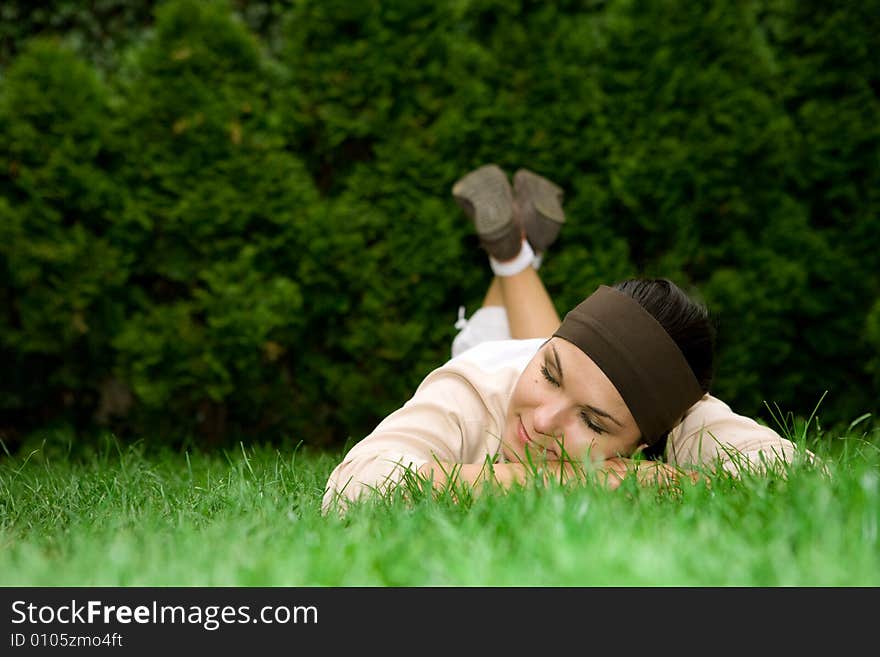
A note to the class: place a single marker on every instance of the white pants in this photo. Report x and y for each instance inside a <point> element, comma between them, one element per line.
<point>487,323</point>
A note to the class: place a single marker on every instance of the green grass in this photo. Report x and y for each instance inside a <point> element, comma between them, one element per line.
<point>126,516</point>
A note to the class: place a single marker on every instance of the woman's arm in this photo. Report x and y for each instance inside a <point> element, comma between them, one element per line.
<point>712,434</point>
<point>443,417</point>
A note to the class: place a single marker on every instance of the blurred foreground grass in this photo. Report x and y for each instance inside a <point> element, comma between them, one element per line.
<point>127,516</point>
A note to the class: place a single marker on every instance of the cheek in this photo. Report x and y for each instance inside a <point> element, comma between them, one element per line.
<point>526,394</point>
<point>583,444</point>
<point>579,444</point>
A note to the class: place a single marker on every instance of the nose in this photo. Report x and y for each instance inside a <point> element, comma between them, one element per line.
<point>547,418</point>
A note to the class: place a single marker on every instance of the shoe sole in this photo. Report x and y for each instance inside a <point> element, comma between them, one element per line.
<point>545,217</point>
<point>486,197</point>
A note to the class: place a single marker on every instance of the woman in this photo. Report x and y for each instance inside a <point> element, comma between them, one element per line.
<point>626,373</point>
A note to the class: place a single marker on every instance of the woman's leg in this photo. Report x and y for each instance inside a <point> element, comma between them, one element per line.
<point>493,294</point>
<point>516,299</point>
<point>530,311</point>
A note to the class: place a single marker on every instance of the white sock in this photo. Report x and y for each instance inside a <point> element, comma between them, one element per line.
<point>536,263</point>
<point>524,259</point>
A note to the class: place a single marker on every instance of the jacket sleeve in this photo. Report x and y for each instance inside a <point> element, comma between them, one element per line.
<point>430,426</point>
<point>712,434</point>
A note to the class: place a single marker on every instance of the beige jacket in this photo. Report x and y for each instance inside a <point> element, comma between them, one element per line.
<point>457,414</point>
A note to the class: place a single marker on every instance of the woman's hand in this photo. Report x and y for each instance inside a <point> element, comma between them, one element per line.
<point>649,473</point>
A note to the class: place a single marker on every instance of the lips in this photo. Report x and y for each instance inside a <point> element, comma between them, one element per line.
<point>523,434</point>
<point>525,439</point>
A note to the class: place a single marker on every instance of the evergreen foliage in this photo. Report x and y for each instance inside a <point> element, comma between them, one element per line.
<point>234,220</point>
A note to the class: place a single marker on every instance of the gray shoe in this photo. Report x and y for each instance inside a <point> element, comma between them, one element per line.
<point>539,205</point>
<point>486,197</point>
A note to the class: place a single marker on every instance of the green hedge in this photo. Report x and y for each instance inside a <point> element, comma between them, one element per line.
<point>239,225</point>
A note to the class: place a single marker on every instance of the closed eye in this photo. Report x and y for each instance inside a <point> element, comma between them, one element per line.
<point>584,415</point>
<point>549,376</point>
<point>590,423</point>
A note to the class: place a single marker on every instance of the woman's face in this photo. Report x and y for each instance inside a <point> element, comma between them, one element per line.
<point>562,400</point>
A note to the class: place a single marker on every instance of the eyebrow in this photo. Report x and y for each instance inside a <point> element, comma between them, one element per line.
<point>593,409</point>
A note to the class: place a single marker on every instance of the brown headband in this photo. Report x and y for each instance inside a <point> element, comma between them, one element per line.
<point>636,353</point>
